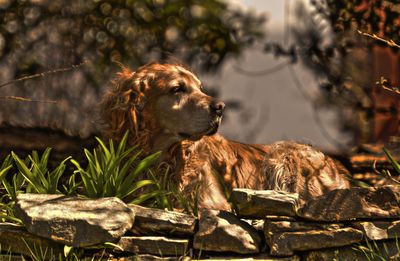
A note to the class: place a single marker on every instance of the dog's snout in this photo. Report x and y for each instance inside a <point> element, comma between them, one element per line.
<point>217,107</point>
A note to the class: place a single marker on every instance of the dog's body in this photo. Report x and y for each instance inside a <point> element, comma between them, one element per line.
<point>165,108</point>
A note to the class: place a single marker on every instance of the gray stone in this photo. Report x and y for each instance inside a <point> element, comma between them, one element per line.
<point>151,221</point>
<point>352,204</point>
<point>262,203</point>
<point>222,231</point>
<point>378,230</point>
<point>17,240</point>
<point>152,245</point>
<point>74,221</point>
<point>284,238</point>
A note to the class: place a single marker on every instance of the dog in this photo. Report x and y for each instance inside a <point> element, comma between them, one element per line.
<point>165,108</point>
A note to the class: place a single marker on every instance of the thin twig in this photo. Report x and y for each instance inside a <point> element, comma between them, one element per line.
<point>389,42</point>
<point>392,89</point>
<point>23,99</point>
<point>43,74</point>
<point>385,84</point>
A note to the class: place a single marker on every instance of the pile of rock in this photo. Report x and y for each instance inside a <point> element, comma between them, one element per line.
<point>268,225</point>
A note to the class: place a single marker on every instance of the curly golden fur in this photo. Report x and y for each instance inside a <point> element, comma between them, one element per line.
<point>164,108</point>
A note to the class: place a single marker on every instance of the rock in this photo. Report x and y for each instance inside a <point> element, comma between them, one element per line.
<point>258,224</point>
<point>289,226</point>
<point>222,231</point>
<point>12,239</point>
<point>161,246</point>
<point>344,253</point>
<point>285,237</point>
<point>151,221</point>
<point>353,203</point>
<point>152,258</point>
<point>74,221</point>
<point>262,203</point>
<point>382,251</point>
<point>11,257</point>
<point>262,256</point>
<point>280,218</point>
<point>378,230</point>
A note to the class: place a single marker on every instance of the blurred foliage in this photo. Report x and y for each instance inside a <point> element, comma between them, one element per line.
<point>325,40</point>
<point>126,31</point>
<point>43,35</point>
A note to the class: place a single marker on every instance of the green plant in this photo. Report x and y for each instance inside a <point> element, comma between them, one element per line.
<point>115,172</point>
<point>386,173</point>
<point>7,255</point>
<point>7,200</point>
<point>169,196</point>
<point>163,184</point>
<point>374,251</point>
<point>392,161</point>
<point>39,178</point>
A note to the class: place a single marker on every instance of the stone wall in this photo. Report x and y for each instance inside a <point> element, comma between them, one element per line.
<point>267,225</point>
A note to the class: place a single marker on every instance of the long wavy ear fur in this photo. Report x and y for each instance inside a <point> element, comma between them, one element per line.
<point>118,107</point>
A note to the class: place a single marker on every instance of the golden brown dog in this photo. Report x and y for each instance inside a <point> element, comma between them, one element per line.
<point>165,108</point>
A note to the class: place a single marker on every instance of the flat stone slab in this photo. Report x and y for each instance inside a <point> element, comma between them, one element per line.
<point>261,203</point>
<point>263,256</point>
<point>6,257</point>
<point>352,204</point>
<point>387,250</point>
<point>151,221</point>
<point>294,226</point>
<point>284,239</point>
<point>221,231</point>
<point>154,245</point>
<point>146,257</point>
<point>378,230</point>
<point>74,221</point>
<point>343,253</point>
<point>12,239</point>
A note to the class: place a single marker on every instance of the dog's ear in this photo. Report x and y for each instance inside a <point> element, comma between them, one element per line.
<point>121,105</point>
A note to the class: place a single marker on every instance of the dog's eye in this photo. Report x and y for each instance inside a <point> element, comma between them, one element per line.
<point>178,89</point>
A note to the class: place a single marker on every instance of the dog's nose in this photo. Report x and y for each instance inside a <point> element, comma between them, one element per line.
<point>217,107</point>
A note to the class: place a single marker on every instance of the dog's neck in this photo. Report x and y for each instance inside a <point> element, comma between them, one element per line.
<point>164,142</point>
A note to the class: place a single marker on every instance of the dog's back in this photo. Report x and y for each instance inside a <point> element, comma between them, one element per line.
<point>217,165</point>
<point>302,169</point>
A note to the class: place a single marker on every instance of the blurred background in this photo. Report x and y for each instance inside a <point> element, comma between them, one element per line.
<point>287,69</point>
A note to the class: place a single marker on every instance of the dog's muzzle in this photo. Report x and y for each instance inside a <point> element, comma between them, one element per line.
<point>217,108</point>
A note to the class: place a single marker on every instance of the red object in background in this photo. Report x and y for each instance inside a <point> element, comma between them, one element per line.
<point>386,104</point>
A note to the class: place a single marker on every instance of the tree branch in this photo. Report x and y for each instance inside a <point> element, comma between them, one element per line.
<point>389,42</point>
<point>23,99</point>
<point>43,74</point>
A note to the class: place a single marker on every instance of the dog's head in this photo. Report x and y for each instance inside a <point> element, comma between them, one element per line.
<point>165,100</point>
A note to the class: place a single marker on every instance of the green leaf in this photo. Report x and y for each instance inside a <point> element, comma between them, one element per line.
<point>142,166</point>
<point>40,177</point>
<point>27,174</point>
<point>67,250</point>
<point>122,143</point>
<point>86,179</point>
<point>4,171</point>
<point>104,149</point>
<point>136,186</point>
<point>142,198</point>
<point>392,161</point>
